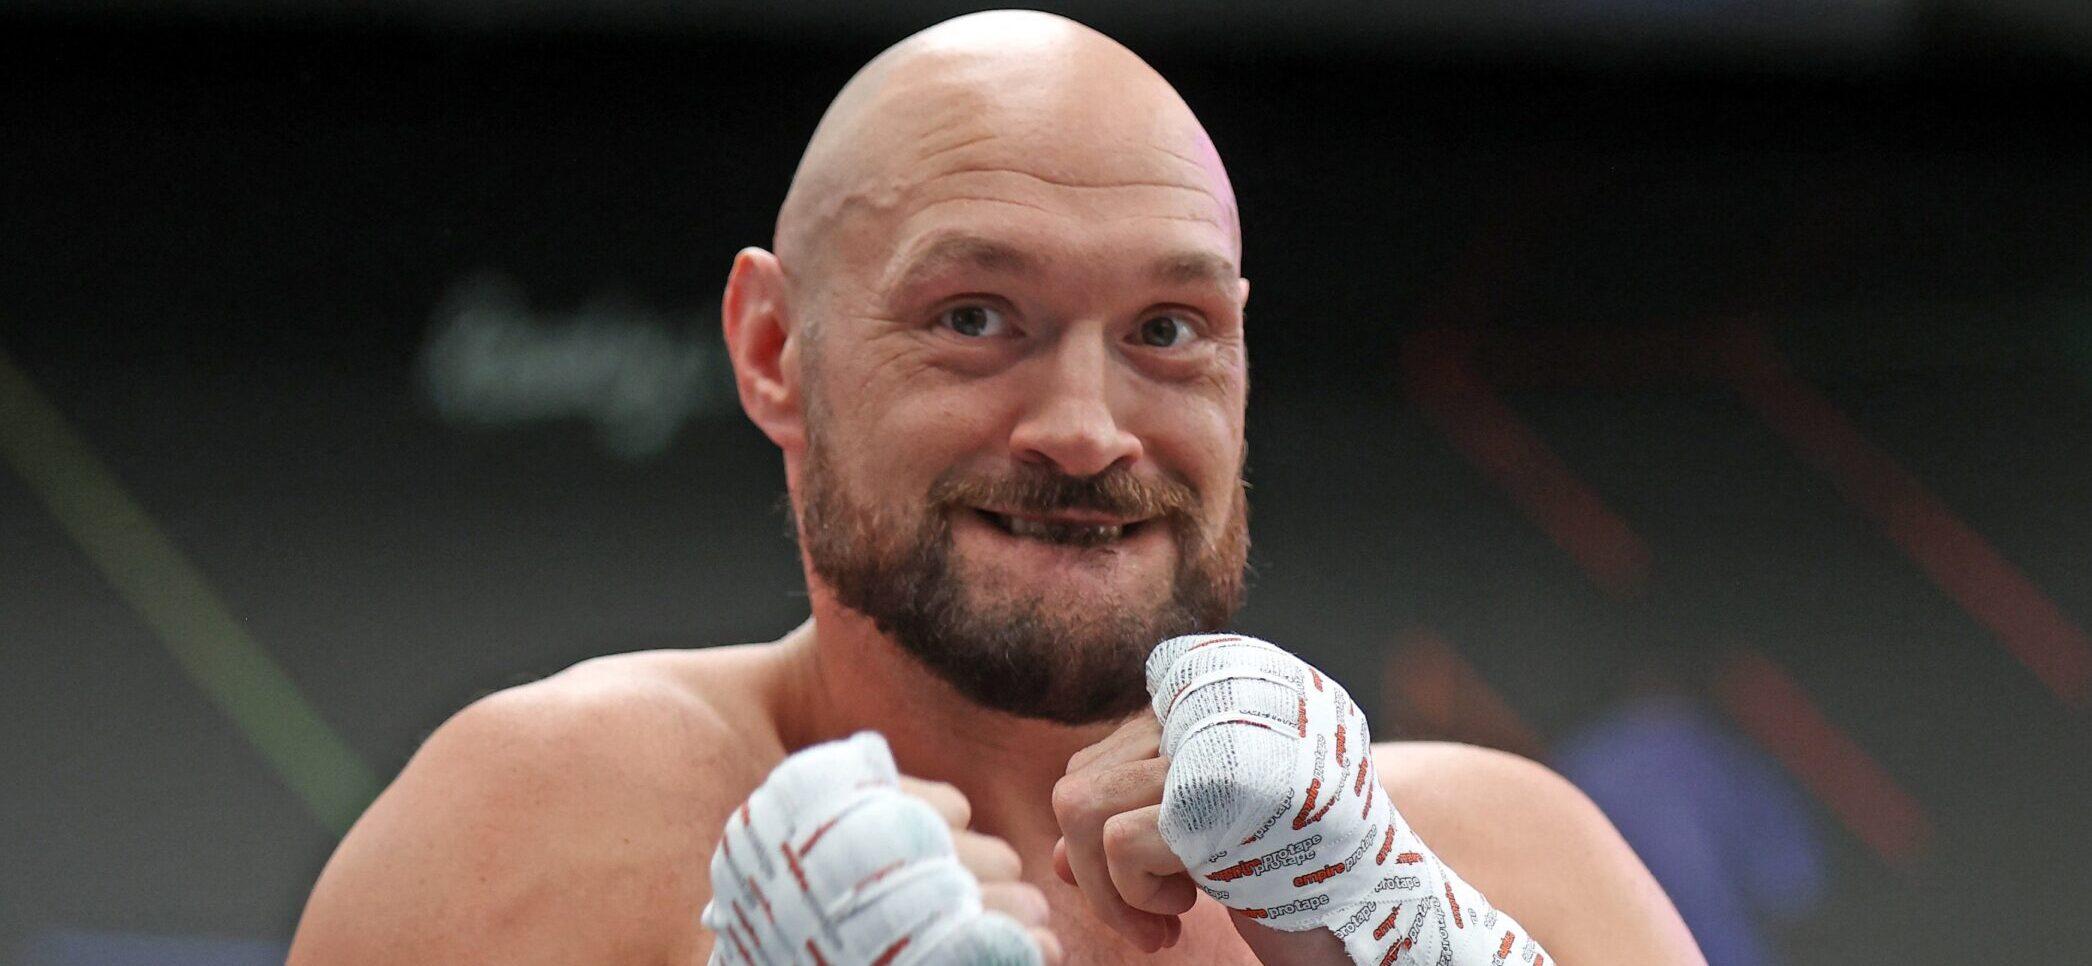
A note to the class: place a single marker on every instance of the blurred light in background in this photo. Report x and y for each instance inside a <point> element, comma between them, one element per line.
<point>1716,822</point>
<point>490,361</point>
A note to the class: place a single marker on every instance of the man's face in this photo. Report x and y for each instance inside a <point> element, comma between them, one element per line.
<point>1024,384</point>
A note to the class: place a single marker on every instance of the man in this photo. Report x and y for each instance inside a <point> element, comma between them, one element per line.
<point>1000,345</point>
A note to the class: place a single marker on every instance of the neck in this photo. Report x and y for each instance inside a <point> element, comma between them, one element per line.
<point>850,678</point>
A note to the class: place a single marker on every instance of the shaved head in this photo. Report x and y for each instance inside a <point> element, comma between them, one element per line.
<point>1000,343</point>
<point>958,109</point>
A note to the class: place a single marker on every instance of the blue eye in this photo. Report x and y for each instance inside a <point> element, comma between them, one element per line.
<point>973,321</point>
<point>1164,331</point>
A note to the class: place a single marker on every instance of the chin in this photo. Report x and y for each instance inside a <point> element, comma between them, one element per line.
<point>1071,588</point>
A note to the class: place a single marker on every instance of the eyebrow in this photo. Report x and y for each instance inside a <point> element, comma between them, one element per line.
<point>1193,267</point>
<point>1186,267</point>
<point>971,251</point>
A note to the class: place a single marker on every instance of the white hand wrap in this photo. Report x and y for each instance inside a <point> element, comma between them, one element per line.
<point>829,863</point>
<point>1273,805</point>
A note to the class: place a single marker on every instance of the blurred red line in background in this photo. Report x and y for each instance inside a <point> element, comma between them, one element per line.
<point>1431,691</point>
<point>1950,552</point>
<point>1438,377</point>
<point>1490,435</point>
<point>1772,707</point>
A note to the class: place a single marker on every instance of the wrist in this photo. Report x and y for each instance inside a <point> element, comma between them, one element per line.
<point>1273,947</point>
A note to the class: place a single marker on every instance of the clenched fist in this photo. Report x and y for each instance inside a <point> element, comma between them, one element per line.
<point>1108,804</point>
<point>836,859</point>
<point>1253,781</point>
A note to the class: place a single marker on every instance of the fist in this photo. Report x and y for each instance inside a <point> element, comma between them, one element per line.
<point>1108,804</point>
<point>993,863</point>
<point>1236,714</point>
<point>1251,779</point>
<point>1271,797</point>
<point>831,861</point>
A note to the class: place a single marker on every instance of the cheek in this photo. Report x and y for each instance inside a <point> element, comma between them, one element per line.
<point>1199,439</point>
<point>923,425</point>
<point>1211,412</point>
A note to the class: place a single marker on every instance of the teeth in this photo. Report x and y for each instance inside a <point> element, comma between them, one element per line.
<point>1081,534</point>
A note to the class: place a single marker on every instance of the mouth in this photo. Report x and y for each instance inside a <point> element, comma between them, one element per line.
<point>1072,529</point>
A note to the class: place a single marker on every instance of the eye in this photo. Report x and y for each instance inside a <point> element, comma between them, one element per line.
<point>1165,331</point>
<point>974,321</point>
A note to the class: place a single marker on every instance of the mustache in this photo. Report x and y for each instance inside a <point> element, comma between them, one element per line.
<point>1118,492</point>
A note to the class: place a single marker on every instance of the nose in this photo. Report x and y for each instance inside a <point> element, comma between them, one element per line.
<point>1071,425</point>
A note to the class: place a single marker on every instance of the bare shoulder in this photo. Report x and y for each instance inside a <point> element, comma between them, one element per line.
<point>1538,848</point>
<point>1493,815</point>
<point>570,819</point>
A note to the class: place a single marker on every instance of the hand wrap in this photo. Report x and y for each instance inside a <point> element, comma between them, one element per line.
<point>830,863</point>
<point>1273,805</point>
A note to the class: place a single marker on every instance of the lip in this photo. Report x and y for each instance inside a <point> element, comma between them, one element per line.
<point>1067,531</point>
<point>1080,518</point>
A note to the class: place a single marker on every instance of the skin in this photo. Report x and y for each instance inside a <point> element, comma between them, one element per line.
<point>573,819</point>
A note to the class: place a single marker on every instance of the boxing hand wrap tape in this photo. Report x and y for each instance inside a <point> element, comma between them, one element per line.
<point>1273,805</point>
<point>830,863</point>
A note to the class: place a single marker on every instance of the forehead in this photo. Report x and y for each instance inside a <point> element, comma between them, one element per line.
<point>1135,257</point>
<point>1052,169</point>
<point>1016,214</point>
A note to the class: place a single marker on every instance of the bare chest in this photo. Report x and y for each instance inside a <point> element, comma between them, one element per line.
<point>1209,938</point>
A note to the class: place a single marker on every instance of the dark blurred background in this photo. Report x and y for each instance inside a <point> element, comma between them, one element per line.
<point>1696,396</point>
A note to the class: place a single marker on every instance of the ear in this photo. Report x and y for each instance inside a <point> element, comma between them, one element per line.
<point>760,338</point>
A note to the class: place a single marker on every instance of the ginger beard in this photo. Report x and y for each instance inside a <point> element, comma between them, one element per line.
<point>1033,652</point>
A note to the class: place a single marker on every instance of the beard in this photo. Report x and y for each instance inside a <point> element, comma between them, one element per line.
<point>1021,652</point>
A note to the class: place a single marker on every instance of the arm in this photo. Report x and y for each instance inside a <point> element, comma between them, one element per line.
<point>1527,857</point>
<point>565,821</point>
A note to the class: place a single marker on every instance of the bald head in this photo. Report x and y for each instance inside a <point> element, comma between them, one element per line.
<point>1007,291</point>
<point>1011,108</point>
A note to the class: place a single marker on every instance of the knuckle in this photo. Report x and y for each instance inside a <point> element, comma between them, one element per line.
<point>1049,946</point>
<point>957,802</point>
<point>1121,832</point>
<point>947,799</point>
<point>1019,900</point>
<point>1070,796</point>
<point>992,859</point>
<point>1007,854</point>
<point>1079,758</point>
<point>1153,772</point>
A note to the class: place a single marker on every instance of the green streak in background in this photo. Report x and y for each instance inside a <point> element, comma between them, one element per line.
<point>176,602</point>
